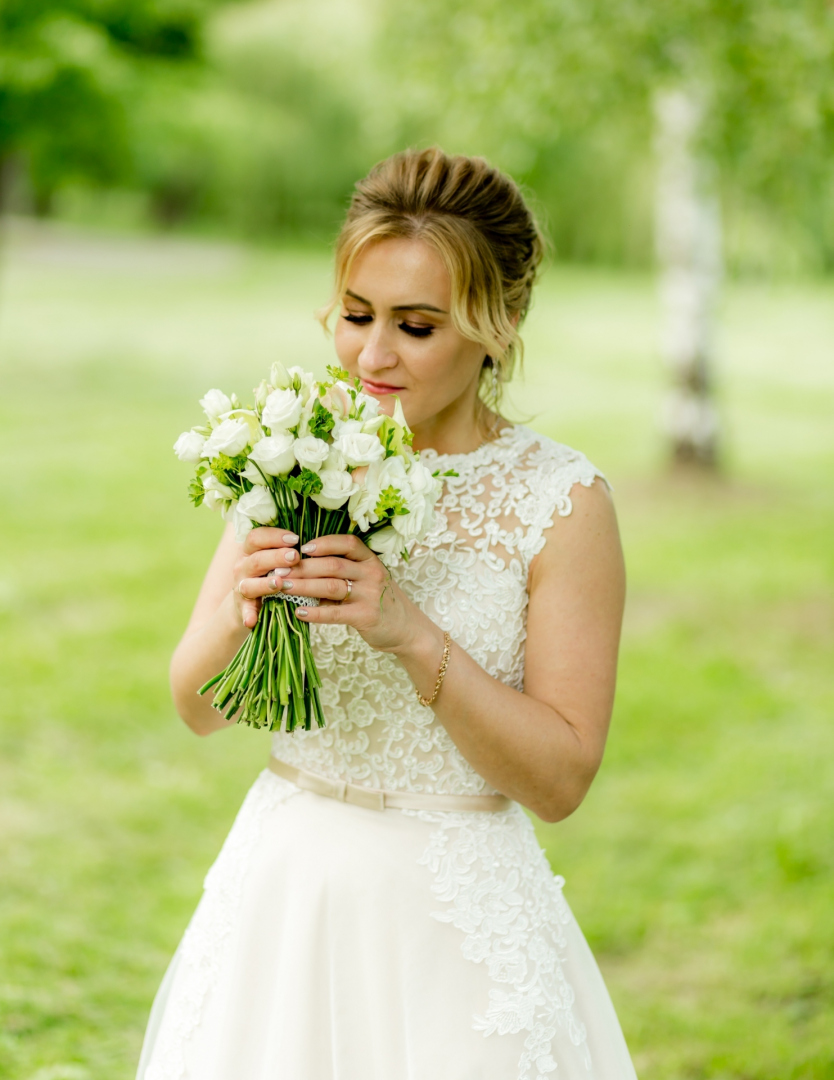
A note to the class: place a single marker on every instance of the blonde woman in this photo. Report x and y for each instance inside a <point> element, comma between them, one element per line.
<point>381,909</point>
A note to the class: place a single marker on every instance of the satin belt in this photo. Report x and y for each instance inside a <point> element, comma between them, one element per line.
<point>374,799</point>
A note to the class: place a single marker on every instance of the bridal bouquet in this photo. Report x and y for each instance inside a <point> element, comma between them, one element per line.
<point>313,458</point>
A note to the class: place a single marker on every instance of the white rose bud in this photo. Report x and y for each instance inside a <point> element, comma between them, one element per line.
<point>189,446</point>
<point>279,376</point>
<point>282,410</point>
<point>215,403</point>
<point>371,405</point>
<point>253,473</point>
<point>229,437</point>
<point>310,452</point>
<point>362,506</point>
<point>336,489</point>
<point>259,505</point>
<point>358,447</point>
<point>274,454</point>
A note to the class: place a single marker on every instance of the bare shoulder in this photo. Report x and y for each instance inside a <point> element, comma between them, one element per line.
<point>587,534</point>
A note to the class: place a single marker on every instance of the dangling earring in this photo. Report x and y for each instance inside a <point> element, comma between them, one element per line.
<point>496,384</point>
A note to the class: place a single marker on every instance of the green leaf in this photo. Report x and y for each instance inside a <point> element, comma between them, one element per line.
<point>195,491</point>
<point>391,503</point>
<point>338,373</point>
<point>306,483</point>
<point>321,422</point>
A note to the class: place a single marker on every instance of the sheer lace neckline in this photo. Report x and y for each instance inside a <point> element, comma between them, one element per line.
<point>481,455</point>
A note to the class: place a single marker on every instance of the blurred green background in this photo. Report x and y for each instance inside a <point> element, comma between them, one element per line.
<point>172,175</point>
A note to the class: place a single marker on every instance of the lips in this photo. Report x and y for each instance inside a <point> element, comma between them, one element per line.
<point>379,389</point>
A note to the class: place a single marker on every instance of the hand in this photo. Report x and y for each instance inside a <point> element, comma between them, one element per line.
<point>374,604</point>
<point>267,551</point>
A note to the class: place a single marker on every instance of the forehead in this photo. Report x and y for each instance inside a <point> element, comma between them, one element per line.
<point>397,272</point>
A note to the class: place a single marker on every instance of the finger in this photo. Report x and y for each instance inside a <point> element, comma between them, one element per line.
<point>249,611</point>
<point>265,536</point>
<point>327,566</point>
<point>324,613</point>
<point>256,587</point>
<point>344,544</point>
<point>262,562</point>
<point>322,588</point>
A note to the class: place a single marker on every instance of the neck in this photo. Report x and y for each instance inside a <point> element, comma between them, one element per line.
<point>460,428</point>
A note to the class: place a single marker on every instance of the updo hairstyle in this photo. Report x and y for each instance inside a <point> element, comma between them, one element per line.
<point>477,220</point>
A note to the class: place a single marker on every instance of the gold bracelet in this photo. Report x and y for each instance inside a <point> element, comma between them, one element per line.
<point>444,663</point>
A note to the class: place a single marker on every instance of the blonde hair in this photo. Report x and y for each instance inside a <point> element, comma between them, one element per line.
<point>477,220</point>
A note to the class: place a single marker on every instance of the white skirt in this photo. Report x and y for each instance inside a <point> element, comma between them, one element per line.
<point>334,942</point>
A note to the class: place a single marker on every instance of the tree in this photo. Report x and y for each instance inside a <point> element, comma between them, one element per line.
<point>66,68</point>
<point>735,95</point>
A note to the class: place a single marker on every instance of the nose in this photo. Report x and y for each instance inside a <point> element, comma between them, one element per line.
<point>377,353</point>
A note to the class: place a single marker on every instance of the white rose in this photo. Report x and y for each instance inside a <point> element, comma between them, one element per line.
<point>253,473</point>
<point>371,405</point>
<point>362,505</point>
<point>215,403</point>
<point>337,400</point>
<point>217,495</point>
<point>336,489</point>
<point>358,447</point>
<point>386,542</point>
<point>424,491</point>
<point>229,437</point>
<point>259,505</point>
<point>282,410</point>
<point>274,454</point>
<point>310,452</point>
<point>189,446</point>
<point>242,524</point>
<point>335,461</point>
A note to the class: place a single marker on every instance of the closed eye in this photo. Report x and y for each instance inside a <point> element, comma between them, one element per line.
<point>360,320</point>
<point>416,331</point>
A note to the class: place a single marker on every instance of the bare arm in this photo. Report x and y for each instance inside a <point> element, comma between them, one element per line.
<point>543,746</point>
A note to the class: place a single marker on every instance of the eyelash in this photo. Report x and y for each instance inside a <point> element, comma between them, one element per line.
<point>412,331</point>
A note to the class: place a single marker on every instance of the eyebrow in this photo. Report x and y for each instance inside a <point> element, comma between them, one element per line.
<point>399,307</point>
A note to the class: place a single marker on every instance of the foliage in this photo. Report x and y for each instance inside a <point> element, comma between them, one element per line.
<point>555,82</point>
<point>66,68</point>
<point>701,865</point>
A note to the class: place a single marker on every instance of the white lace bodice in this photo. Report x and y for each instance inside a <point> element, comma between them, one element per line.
<point>470,576</point>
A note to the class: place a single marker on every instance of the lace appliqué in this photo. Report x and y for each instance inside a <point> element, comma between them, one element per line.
<point>470,577</point>
<point>499,891</point>
<point>201,949</point>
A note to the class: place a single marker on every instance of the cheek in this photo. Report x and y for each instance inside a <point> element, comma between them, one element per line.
<point>345,342</point>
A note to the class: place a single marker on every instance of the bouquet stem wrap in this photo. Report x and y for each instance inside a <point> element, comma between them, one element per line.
<point>315,458</point>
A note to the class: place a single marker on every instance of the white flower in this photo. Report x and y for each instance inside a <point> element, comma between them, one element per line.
<point>386,542</point>
<point>362,505</point>
<point>335,461</point>
<point>336,489</point>
<point>274,454</point>
<point>217,496</point>
<point>249,417</point>
<point>358,447</point>
<point>371,405</point>
<point>337,400</point>
<point>189,446</point>
<point>215,403</point>
<point>259,505</point>
<point>423,492</point>
<point>241,523</point>
<point>282,410</point>
<point>253,473</point>
<point>229,437</point>
<point>305,382</point>
<point>310,452</point>
<point>279,377</point>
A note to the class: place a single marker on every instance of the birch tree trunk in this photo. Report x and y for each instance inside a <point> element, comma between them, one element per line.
<point>688,238</point>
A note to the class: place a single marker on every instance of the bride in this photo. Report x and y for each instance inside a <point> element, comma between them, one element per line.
<point>381,909</point>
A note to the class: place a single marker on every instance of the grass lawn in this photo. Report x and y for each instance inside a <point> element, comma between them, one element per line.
<point>701,866</point>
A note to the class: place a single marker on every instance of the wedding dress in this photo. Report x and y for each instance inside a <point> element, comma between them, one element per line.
<point>339,942</point>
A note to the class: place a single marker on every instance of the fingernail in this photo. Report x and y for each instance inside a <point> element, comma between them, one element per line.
<point>301,612</point>
<point>290,538</point>
<point>290,556</point>
<point>287,586</point>
<point>280,571</point>
<point>308,548</point>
